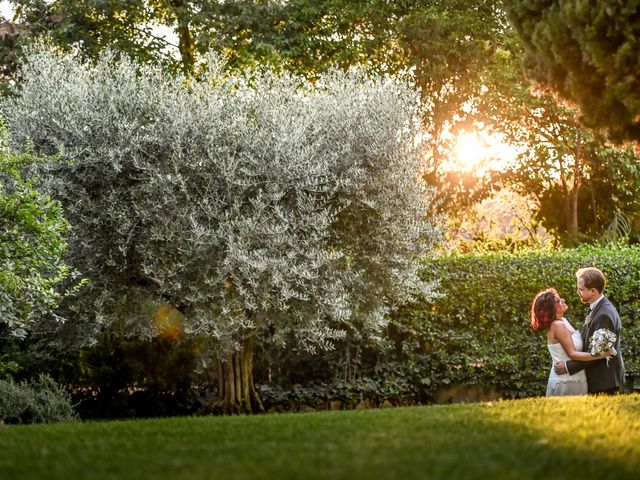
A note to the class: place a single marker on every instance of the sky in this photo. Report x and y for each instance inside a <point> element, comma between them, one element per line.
<point>6,10</point>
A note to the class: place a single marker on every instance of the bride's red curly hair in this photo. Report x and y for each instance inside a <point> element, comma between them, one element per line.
<point>543,309</point>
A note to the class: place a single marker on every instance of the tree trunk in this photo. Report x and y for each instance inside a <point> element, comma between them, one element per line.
<point>237,392</point>
<point>573,212</point>
<point>594,206</point>
<point>575,191</point>
<point>185,39</point>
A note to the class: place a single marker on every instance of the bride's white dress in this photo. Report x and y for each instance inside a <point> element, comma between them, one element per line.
<point>566,384</point>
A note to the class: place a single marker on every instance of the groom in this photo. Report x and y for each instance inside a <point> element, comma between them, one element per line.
<point>602,376</point>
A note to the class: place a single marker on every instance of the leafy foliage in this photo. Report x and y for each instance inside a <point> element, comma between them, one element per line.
<point>248,202</point>
<point>580,183</point>
<point>93,27</point>
<point>588,52</point>
<point>33,235</point>
<point>37,401</point>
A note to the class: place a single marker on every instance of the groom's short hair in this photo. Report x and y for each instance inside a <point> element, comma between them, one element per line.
<point>593,278</point>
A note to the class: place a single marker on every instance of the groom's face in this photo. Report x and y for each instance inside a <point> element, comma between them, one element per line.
<point>587,295</point>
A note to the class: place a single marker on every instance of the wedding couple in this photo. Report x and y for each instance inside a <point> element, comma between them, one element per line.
<point>576,371</point>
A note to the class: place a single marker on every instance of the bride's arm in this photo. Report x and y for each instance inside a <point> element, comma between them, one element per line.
<point>564,337</point>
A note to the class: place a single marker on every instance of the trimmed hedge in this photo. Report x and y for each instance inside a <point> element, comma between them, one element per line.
<point>478,331</point>
<point>476,334</point>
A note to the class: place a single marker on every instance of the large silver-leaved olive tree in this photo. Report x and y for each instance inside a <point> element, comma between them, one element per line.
<point>239,205</point>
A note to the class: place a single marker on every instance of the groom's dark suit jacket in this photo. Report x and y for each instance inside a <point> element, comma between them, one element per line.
<point>601,376</point>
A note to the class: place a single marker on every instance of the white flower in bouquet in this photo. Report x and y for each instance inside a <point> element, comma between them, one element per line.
<point>602,341</point>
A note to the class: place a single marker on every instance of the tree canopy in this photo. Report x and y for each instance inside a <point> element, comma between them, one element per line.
<point>588,52</point>
<point>561,163</point>
<point>453,49</point>
<point>252,204</point>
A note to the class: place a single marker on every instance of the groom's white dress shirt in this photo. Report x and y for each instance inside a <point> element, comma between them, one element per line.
<point>593,305</point>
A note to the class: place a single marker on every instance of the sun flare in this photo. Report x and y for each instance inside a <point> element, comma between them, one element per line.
<point>479,152</point>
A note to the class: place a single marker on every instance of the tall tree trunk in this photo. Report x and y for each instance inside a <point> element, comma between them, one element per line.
<point>575,191</point>
<point>237,390</point>
<point>594,206</point>
<point>185,39</point>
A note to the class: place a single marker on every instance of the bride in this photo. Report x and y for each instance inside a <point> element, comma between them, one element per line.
<point>564,342</point>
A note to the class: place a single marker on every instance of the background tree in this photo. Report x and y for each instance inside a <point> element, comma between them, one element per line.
<point>447,45</point>
<point>237,206</point>
<point>303,36</point>
<point>561,163</point>
<point>126,27</point>
<point>453,52</point>
<point>587,52</point>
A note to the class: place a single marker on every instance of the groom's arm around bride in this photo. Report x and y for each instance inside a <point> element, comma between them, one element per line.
<point>603,376</point>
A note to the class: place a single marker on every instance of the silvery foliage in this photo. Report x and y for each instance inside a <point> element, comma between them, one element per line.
<point>253,202</point>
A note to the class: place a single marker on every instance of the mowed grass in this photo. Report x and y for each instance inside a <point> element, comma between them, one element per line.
<point>572,438</point>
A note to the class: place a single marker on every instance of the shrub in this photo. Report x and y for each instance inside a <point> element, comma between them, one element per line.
<point>32,244</point>
<point>36,401</point>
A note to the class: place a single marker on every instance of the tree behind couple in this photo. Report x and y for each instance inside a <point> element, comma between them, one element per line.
<point>577,370</point>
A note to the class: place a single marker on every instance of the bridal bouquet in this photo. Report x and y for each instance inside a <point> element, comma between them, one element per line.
<point>602,341</point>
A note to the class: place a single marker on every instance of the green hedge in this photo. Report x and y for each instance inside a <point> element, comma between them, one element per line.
<point>477,331</point>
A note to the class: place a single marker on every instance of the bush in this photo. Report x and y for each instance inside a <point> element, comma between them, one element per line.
<point>32,244</point>
<point>37,401</point>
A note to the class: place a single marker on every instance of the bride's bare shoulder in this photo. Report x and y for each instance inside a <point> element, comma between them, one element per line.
<point>568,325</point>
<point>557,324</point>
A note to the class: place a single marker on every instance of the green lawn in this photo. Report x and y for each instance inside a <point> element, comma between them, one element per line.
<point>573,438</point>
